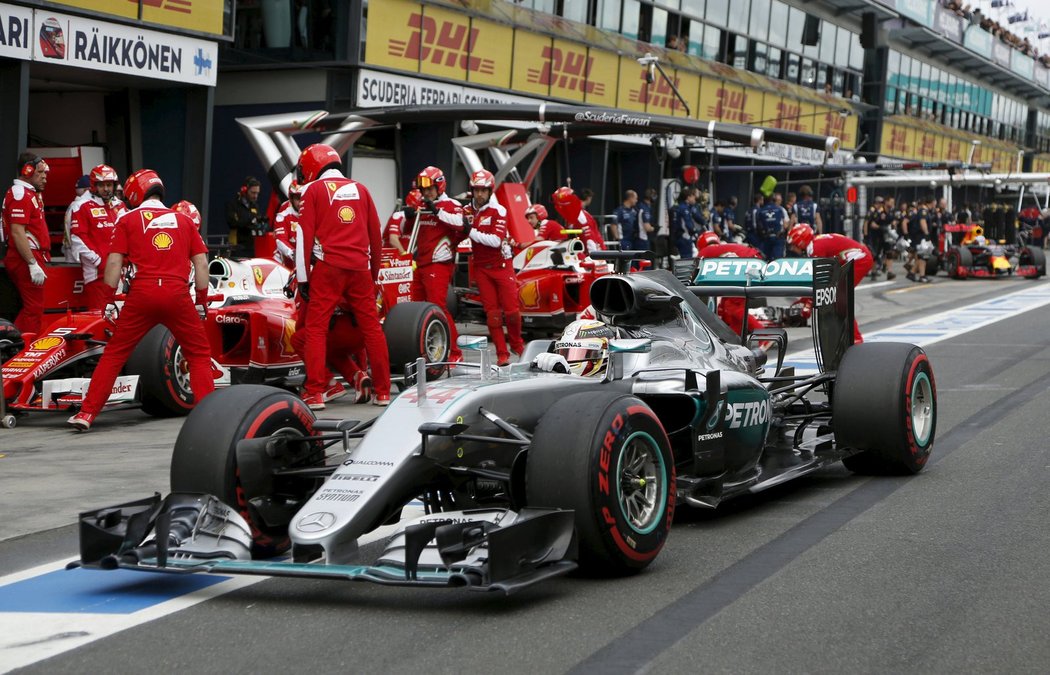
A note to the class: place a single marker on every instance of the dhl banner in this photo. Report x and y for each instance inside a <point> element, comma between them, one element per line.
<point>528,73</point>
<point>1041,163</point>
<point>604,70</point>
<point>920,140</point>
<point>204,16</point>
<point>537,54</point>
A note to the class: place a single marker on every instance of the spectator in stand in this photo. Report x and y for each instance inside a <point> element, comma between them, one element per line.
<point>82,192</point>
<point>90,230</point>
<point>27,239</point>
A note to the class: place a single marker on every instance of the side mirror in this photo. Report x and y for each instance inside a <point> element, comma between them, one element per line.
<point>619,347</point>
<point>474,343</point>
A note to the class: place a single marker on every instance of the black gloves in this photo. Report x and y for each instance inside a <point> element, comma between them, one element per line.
<point>410,214</point>
<point>468,224</point>
<point>429,205</point>
<point>304,291</point>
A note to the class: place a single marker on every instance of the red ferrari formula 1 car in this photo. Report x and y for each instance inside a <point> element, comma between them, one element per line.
<point>250,323</point>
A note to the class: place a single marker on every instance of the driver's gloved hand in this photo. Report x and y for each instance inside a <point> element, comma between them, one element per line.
<point>550,363</point>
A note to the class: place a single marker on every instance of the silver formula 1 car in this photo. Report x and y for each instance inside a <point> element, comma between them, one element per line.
<point>521,474</point>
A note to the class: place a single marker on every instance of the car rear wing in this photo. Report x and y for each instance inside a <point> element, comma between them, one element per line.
<point>827,282</point>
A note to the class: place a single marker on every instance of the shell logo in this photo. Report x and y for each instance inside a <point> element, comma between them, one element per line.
<point>45,343</point>
<point>286,338</point>
<point>346,214</point>
<point>530,295</point>
<point>162,241</point>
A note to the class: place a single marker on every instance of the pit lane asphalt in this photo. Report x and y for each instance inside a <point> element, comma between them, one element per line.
<point>937,573</point>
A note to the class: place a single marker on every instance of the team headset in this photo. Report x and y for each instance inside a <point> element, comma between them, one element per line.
<point>248,183</point>
<point>29,167</point>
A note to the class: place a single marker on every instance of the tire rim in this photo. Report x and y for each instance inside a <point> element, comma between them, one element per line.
<point>642,482</point>
<point>181,369</point>
<point>435,342</point>
<point>922,411</point>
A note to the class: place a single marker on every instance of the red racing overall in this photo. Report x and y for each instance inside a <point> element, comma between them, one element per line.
<point>494,275</point>
<point>439,234</point>
<point>90,231</point>
<point>23,206</point>
<point>845,249</point>
<point>338,217</point>
<point>160,243</point>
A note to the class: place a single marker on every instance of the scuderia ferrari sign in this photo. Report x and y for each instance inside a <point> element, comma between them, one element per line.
<point>52,37</point>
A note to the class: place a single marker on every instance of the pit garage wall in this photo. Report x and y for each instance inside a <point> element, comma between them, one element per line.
<point>162,121</point>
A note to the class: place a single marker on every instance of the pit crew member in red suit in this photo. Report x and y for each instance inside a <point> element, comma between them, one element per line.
<point>162,244</point>
<point>801,240</point>
<point>570,207</point>
<point>344,352</point>
<point>187,209</point>
<point>339,221</point>
<point>491,260</point>
<point>441,228</point>
<point>547,230</point>
<point>90,229</point>
<point>398,231</point>
<point>730,310</point>
<point>28,241</point>
<point>286,227</point>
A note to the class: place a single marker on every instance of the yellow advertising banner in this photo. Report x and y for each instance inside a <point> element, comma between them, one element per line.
<point>1041,163</point>
<point>953,149</point>
<point>445,39</point>
<point>495,46</point>
<point>603,77</point>
<point>689,88</point>
<point>569,65</point>
<point>729,104</point>
<point>394,34</point>
<point>633,90</point>
<point>788,114</point>
<point>204,16</point>
<point>807,117</point>
<point>926,146</point>
<point>531,74</point>
<point>199,15</point>
<point>128,9</point>
<point>895,141</point>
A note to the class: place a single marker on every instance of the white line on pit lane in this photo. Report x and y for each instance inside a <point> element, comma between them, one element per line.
<point>877,284</point>
<point>29,637</point>
<point>937,327</point>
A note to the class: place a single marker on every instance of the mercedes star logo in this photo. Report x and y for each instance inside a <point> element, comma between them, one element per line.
<point>316,522</point>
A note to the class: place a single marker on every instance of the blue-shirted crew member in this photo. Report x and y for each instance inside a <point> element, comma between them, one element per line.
<point>632,236</point>
<point>769,228</point>
<point>808,211</point>
<point>684,226</point>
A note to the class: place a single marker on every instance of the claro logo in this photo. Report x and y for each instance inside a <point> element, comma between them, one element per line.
<point>566,69</point>
<point>447,43</point>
